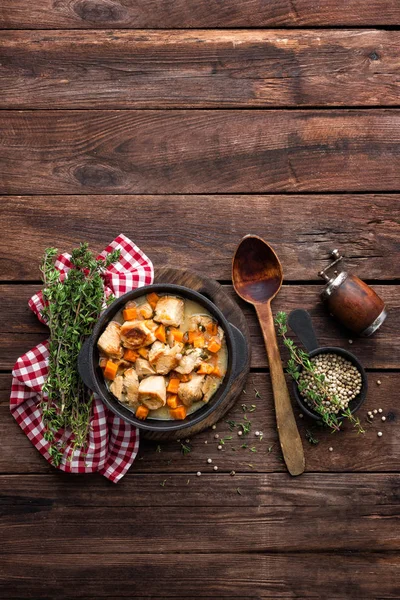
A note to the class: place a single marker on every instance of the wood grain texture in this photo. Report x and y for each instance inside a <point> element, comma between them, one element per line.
<point>179,69</point>
<point>301,229</point>
<point>199,151</point>
<point>360,576</point>
<point>65,530</point>
<point>20,330</point>
<point>312,490</point>
<point>46,14</point>
<point>352,452</point>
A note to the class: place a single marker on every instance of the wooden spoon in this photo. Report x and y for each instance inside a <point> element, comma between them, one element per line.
<point>257,278</point>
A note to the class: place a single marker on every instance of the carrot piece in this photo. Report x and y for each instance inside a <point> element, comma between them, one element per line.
<point>143,352</point>
<point>214,345</point>
<point>160,333</point>
<point>192,336</point>
<point>152,299</point>
<point>110,370</point>
<point>177,334</point>
<point>102,363</point>
<point>212,328</point>
<point>142,412</point>
<point>178,413</point>
<point>217,371</point>
<point>131,355</point>
<point>173,401</point>
<point>173,386</point>
<point>205,369</point>
<point>199,341</point>
<point>129,314</point>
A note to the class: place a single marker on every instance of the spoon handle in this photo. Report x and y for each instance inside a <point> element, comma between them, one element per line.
<point>289,437</point>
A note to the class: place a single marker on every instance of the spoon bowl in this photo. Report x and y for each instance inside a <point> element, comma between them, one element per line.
<point>257,272</point>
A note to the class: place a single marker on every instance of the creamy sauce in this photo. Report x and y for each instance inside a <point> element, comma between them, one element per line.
<point>190,308</point>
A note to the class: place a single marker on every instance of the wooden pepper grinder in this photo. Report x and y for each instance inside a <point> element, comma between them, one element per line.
<point>352,301</point>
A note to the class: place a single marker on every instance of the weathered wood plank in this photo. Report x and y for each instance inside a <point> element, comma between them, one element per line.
<point>179,69</point>
<point>351,452</point>
<point>20,330</point>
<point>302,229</point>
<point>19,14</point>
<point>345,490</point>
<point>62,530</point>
<point>361,576</point>
<point>202,151</point>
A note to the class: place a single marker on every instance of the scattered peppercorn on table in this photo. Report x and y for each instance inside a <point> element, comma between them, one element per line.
<point>186,125</point>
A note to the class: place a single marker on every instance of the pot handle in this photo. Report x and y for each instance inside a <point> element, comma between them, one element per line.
<point>300,322</point>
<point>84,364</point>
<point>242,352</point>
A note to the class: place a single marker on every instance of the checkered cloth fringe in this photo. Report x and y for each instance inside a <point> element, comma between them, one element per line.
<point>113,443</point>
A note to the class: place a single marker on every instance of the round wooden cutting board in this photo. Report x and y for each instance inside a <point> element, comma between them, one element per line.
<point>214,292</point>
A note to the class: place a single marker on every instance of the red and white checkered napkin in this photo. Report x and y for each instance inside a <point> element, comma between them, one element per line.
<point>113,443</point>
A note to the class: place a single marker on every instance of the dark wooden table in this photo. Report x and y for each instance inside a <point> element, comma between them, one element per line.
<point>186,124</point>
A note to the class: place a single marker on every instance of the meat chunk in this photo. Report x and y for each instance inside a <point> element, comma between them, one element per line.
<point>199,320</point>
<point>169,311</point>
<point>155,351</point>
<point>125,387</point>
<point>135,334</point>
<point>117,388</point>
<point>145,310</point>
<point>189,361</point>
<point>131,385</point>
<point>151,325</point>
<point>202,321</point>
<point>152,392</point>
<point>110,340</point>
<point>191,391</point>
<point>210,386</point>
<point>168,359</point>
<point>130,304</point>
<point>143,368</point>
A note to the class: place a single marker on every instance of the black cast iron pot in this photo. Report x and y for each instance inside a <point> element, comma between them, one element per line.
<point>300,322</point>
<point>91,373</point>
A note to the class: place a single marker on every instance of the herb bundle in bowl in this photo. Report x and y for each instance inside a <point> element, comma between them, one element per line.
<point>72,307</point>
<point>327,380</point>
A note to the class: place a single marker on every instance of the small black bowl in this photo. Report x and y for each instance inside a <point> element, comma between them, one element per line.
<point>300,322</point>
<point>92,375</point>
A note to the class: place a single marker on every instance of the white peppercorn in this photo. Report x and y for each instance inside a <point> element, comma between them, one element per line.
<point>342,382</point>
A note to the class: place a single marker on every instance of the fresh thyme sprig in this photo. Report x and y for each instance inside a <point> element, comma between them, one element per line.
<point>299,358</point>
<point>185,449</point>
<point>72,307</point>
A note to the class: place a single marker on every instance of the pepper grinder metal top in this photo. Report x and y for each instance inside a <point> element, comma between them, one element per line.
<point>352,301</point>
